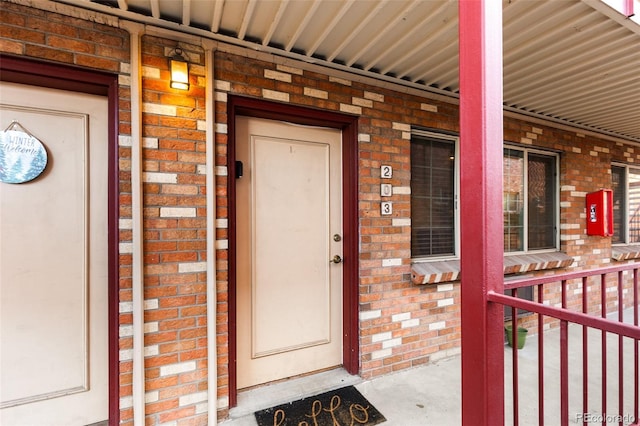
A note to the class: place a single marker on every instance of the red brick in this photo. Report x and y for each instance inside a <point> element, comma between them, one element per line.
<point>176,414</point>
<point>24,35</point>
<point>48,53</point>
<point>66,43</point>
<point>8,46</point>
<point>98,63</point>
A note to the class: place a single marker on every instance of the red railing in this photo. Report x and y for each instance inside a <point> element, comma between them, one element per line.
<point>587,300</point>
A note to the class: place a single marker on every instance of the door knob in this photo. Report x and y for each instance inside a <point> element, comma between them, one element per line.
<point>336,259</point>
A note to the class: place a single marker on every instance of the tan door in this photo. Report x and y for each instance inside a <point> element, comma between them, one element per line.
<point>289,227</point>
<point>53,264</point>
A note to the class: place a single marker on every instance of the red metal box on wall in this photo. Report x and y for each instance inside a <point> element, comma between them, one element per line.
<point>600,213</point>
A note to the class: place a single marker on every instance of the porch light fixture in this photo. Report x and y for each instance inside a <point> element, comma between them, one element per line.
<point>179,66</point>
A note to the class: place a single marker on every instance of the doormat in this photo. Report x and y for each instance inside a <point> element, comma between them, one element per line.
<point>341,407</point>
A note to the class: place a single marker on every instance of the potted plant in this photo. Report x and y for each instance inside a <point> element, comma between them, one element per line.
<point>521,334</point>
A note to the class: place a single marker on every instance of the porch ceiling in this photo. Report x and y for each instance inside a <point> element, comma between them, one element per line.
<point>574,61</point>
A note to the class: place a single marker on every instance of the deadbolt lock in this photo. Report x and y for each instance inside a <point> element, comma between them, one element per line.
<point>337,237</point>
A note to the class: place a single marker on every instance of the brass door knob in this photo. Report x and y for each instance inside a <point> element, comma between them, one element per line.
<point>336,259</point>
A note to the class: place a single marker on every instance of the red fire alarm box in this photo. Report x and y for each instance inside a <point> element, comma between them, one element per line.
<point>600,213</point>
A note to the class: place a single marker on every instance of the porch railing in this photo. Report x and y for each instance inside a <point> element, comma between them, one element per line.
<point>564,300</point>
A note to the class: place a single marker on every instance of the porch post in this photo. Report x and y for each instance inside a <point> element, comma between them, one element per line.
<point>481,256</point>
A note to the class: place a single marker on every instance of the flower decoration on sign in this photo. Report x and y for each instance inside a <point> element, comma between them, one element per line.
<point>22,156</point>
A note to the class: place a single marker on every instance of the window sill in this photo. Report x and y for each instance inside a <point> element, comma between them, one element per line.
<point>449,270</point>
<point>625,252</point>
<point>521,263</point>
<point>440,271</point>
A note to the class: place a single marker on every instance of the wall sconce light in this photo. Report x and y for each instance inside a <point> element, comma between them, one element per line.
<point>179,66</point>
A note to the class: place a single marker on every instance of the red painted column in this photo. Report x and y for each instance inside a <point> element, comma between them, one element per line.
<point>481,256</point>
<point>628,8</point>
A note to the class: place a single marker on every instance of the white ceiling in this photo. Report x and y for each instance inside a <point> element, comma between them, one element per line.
<point>576,61</point>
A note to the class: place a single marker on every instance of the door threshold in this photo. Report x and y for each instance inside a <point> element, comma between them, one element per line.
<point>281,392</point>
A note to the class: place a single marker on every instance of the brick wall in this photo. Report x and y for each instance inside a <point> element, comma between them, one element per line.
<point>174,223</point>
<point>401,324</point>
<point>58,38</point>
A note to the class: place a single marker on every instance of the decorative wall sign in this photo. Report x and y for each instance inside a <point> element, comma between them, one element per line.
<point>22,156</point>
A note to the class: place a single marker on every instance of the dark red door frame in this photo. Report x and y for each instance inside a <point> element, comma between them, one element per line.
<point>348,124</point>
<point>56,76</point>
<point>481,257</point>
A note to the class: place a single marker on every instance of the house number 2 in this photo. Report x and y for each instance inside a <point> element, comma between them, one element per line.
<point>386,172</point>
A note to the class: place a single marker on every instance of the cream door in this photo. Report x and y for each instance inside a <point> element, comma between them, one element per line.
<point>289,227</point>
<point>53,264</point>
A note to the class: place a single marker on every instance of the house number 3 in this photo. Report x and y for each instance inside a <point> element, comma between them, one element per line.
<point>386,208</point>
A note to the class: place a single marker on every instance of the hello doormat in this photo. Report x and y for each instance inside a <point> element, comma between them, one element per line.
<point>344,407</point>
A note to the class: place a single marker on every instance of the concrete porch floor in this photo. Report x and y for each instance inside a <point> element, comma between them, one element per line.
<point>430,394</point>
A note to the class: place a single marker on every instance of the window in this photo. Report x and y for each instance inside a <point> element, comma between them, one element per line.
<point>529,200</point>
<point>433,195</point>
<point>625,182</point>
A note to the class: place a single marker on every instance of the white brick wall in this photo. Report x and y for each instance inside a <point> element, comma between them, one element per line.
<point>159,177</point>
<point>366,315</point>
<point>193,398</point>
<point>177,212</point>
<point>181,367</point>
<point>192,267</point>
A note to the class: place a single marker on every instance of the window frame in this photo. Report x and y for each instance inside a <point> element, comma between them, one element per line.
<point>455,140</point>
<point>625,214</point>
<point>556,197</point>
